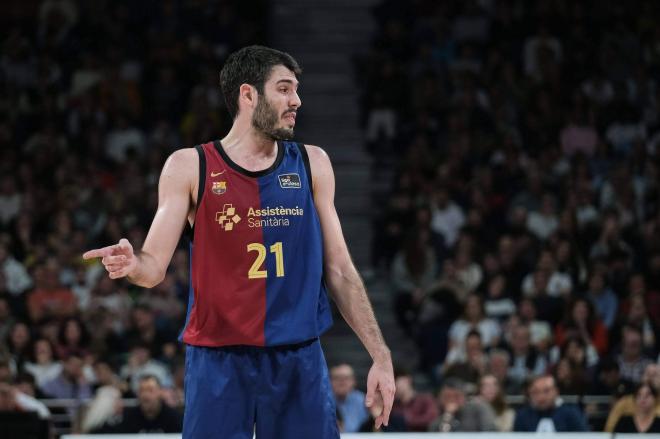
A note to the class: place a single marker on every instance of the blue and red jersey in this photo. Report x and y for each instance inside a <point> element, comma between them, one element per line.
<point>256,253</point>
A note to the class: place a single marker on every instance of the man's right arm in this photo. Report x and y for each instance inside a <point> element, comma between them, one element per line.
<point>147,267</point>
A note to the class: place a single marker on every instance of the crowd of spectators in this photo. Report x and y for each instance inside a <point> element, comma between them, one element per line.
<point>520,232</point>
<point>94,96</point>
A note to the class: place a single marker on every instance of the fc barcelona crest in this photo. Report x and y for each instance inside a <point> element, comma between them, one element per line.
<point>219,187</point>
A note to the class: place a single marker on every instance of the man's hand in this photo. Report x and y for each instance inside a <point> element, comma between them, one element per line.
<point>119,259</point>
<point>380,391</point>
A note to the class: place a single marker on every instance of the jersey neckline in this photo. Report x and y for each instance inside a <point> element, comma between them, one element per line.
<point>238,168</point>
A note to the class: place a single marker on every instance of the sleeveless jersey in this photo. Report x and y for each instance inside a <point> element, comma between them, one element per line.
<point>256,253</point>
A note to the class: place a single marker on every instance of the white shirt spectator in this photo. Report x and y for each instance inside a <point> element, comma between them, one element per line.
<point>448,222</point>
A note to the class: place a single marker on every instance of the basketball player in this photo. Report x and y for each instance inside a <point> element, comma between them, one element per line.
<point>266,241</point>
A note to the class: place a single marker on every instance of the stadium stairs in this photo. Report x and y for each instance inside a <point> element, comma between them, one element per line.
<point>324,35</point>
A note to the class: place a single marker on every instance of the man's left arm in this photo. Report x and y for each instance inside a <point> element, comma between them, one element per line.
<point>346,286</point>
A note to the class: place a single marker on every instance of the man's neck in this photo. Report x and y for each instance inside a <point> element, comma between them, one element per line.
<point>243,136</point>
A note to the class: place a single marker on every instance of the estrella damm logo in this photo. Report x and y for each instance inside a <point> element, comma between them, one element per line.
<point>228,217</point>
<point>219,187</point>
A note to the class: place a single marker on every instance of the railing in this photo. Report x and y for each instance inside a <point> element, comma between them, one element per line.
<point>62,410</point>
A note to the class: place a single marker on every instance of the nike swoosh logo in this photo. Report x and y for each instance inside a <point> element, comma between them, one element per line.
<point>215,174</point>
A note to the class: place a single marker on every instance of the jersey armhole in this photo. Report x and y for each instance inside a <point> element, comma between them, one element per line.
<point>308,168</point>
<point>200,186</point>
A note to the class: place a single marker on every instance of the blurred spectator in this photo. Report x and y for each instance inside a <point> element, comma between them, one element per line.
<point>417,409</point>
<point>71,382</point>
<point>539,331</point>
<point>603,299</point>
<point>349,401</point>
<point>581,322</point>
<point>140,363</point>
<point>413,271</point>
<point>468,364</point>
<point>16,278</point>
<point>492,393</point>
<point>73,337</point>
<point>498,304</point>
<point>546,412</point>
<point>151,415</point>
<point>473,319</point>
<point>626,405</point>
<point>632,360</point>
<point>49,298</point>
<point>525,361</point>
<point>26,393</point>
<point>447,216</point>
<point>459,414</point>
<point>43,364</point>
<point>19,343</point>
<point>645,418</point>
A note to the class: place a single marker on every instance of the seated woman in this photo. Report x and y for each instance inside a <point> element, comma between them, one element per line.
<point>644,419</point>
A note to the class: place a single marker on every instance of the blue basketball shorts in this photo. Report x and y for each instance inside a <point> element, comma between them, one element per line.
<point>235,392</point>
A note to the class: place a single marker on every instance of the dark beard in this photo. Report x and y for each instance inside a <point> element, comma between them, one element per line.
<point>264,120</point>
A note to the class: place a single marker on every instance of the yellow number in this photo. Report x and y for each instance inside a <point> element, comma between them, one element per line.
<point>279,258</point>
<point>254,272</point>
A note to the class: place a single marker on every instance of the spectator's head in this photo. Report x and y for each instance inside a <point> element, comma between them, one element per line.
<point>26,383</point>
<point>73,333</point>
<point>474,308</point>
<point>574,350</point>
<point>343,380</point>
<point>143,318</point>
<point>19,337</point>
<point>581,312</point>
<point>498,363</point>
<point>73,367</point>
<point>652,375</point>
<point>140,353</point>
<point>474,347</point>
<point>103,371</point>
<point>149,395</point>
<point>637,310</point>
<point>646,397</point>
<point>543,392</point>
<point>43,352</point>
<point>403,380</point>
<point>7,398</point>
<point>452,395</point>
<point>520,339</point>
<point>262,82</point>
<point>631,342</point>
<point>596,282</point>
<point>527,310</point>
<point>5,309</point>
<point>5,371</point>
<point>490,391</point>
<point>497,287</point>
<point>608,373</point>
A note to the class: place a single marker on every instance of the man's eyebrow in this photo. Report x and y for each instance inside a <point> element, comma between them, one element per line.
<point>290,81</point>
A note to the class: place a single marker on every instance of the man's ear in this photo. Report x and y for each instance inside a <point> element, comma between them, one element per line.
<point>248,95</point>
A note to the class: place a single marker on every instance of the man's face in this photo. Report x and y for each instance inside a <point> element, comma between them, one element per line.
<point>74,367</point>
<point>543,393</point>
<point>632,343</point>
<point>275,114</point>
<point>149,394</point>
<point>451,399</point>
<point>343,380</point>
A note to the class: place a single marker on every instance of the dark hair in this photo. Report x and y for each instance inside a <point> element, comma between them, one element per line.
<point>401,371</point>
<point>643,384</point>
<point>84,333</point>
<point>148,376</point>
<point>32,354</point>
<point>251,65</point>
